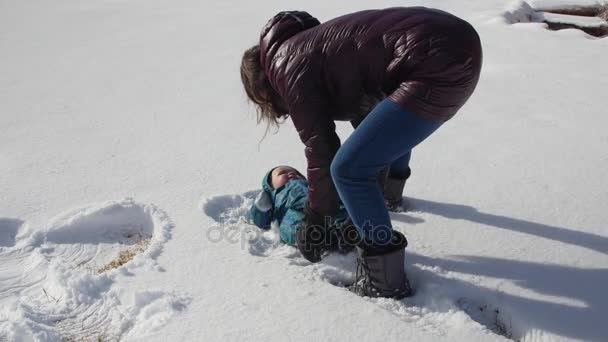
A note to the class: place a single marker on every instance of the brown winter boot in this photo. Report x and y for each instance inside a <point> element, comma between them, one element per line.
<point>393,194</point>
<point>392,189</point>
<point>382,175</point>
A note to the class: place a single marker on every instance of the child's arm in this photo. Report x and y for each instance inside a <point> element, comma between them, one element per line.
<point>289,226</point>
<point>294,217</point>
<point>261,210</point>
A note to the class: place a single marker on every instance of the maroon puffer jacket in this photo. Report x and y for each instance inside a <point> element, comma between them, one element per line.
<point>426,60</point>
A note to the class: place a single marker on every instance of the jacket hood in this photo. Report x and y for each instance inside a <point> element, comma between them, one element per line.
<point>266,186</point>
<point>281,27</point>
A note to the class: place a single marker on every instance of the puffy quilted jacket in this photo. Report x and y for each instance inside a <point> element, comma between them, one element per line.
<point>426,60</point>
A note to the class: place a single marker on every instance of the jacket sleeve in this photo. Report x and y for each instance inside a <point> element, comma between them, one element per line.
<point>261,210</point>
<point>289,226</point>
<point>318,133</point>
<point>295,216</point>
<point>298,79</point>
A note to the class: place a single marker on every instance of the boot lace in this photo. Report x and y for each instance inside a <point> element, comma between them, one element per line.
<point>362,285</point>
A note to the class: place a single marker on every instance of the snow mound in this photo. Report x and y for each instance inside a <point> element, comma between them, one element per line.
<point>575,20</point>
<point>521,12</point>
<point>563,4</point>
<point>556,16</point>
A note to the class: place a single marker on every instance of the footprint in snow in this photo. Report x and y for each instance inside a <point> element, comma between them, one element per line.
<point>487,315</point>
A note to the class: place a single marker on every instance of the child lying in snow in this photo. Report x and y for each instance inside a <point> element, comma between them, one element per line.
<point>282,199</point>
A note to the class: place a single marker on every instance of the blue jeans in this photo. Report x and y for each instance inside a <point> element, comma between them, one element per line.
<point>385,137</point>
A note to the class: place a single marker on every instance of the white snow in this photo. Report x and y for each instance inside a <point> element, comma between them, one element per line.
<point>55,285</point>
<point>573,19</point>
<point>563,4</point>
<point>521,12</point>
<point>125,129</point>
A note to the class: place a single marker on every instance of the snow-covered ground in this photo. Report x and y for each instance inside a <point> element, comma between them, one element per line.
<point>573,19</point>
<point>126,135</point>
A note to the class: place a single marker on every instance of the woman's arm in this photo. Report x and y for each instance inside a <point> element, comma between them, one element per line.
<point>318,133</point>
<point>298,78</point>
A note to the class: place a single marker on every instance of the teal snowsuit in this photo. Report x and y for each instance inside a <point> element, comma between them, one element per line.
<point>286,206</point>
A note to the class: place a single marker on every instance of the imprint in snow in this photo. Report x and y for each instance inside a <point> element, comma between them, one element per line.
<point>45,284</point>
<point>336,269</point>
<point>231,212</point>
<point>488,316</point>
<point>266,243</point>
<point>9,228</point>
<point>227,209</point>
<point>20,269</point>
<point>105,237</point>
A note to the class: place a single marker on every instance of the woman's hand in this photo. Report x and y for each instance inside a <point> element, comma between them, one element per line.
<point>320,234</point>
<point>312,238</point>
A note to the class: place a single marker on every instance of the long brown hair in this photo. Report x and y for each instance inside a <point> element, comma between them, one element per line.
<point>269,105</point>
